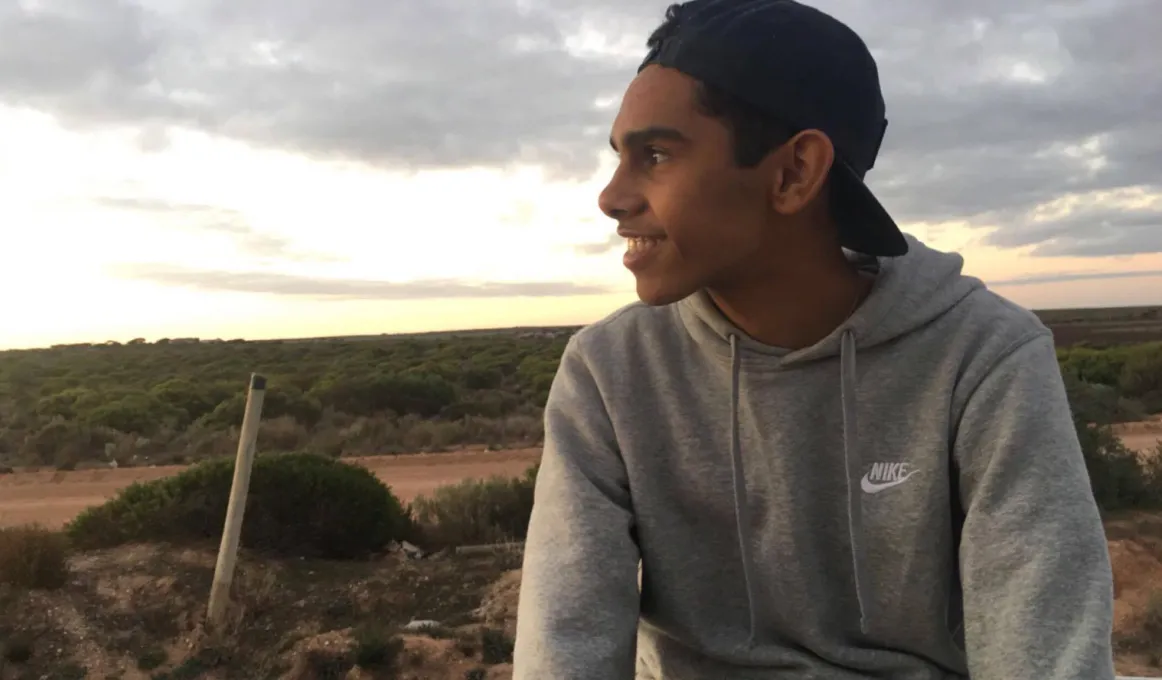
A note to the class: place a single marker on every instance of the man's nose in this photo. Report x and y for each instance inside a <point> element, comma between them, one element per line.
<point>620,198</point>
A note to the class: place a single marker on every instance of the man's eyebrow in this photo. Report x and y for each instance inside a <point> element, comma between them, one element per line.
<point>647,135</point>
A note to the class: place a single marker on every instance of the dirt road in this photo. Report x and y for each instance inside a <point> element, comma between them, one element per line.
<point>54,498</point>
<point>1144,436</point>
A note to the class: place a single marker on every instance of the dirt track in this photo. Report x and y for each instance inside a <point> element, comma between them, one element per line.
<point>54,498</point>
<point>1143,436</point>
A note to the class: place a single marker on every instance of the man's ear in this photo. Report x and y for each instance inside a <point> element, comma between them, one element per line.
<point>803,165</point>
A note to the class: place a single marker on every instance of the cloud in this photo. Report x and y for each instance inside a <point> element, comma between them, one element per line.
<point>432,84</point>
<point>995,107</point>
<point>214,220</point>
<point>273,283</point>
<point>1064,277</point>
<point>1097,229</point>
<point>614,241</point>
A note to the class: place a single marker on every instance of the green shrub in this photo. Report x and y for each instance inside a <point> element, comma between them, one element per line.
<point>1141,376</point>
<point>33,557</point>
<point>328,664</point>
<point>374,647</point>
<point>299,504</point>
<point>421,394</point>
<point>151,659</point>
<point>1099,403</point>
<point>17,649</point>
<point>1151,632</point>
<point>1096,366</point>
<point>1119,477</point>
<point>477,511</point>
<point>495,646</point>
<point>278,402</point>
<point>63,440</point>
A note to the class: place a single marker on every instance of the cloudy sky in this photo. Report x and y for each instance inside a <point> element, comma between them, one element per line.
<point>266,168</point>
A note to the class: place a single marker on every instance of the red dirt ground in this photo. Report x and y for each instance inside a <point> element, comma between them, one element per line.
<point>1143,436</point>
<point>53,498</point>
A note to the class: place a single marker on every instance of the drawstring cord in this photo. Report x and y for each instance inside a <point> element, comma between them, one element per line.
<point>851,462</point>
<point>741,517</point>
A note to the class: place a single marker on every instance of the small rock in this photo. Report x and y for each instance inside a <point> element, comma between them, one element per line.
<point>421,624</point>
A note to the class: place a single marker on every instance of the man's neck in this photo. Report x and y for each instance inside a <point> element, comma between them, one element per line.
<point>797,308</point>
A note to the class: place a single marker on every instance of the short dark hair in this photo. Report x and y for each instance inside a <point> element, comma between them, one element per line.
<point>754,134</point>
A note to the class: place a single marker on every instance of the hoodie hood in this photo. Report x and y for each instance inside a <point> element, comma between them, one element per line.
<point>909,292</point>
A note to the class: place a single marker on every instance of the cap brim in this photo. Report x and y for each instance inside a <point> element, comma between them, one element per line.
<point>864,225</point>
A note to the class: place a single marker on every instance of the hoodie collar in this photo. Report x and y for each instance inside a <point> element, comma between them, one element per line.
<point>909,292</point>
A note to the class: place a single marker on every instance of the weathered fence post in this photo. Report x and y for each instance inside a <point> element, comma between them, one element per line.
<point>232,531</point>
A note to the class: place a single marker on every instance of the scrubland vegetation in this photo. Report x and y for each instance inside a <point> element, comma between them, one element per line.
<point>181,401</point>
<point>334,569</point>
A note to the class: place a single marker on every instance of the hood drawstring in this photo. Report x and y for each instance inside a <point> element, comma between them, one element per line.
<point>852,464</point>
<point>851,461</point>
<point>741,517</point>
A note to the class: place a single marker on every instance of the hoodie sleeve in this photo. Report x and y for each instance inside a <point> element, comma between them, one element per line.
<point>578,612</point>
<point>1035,570</point>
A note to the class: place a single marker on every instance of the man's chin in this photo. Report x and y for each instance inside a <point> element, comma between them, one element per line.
<point>658,294</point>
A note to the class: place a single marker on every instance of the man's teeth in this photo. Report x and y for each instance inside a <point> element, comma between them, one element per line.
<point>640,243</point>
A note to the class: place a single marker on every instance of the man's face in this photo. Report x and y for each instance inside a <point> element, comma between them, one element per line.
<point>692,218</point>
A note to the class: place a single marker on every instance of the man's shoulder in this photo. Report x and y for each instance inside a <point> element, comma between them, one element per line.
<point>630,323</point>
<point>991,328</point>
<point>997,323</point>
<point>633,326</point>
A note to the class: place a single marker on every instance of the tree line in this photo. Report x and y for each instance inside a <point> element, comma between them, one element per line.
<point>182,400</point>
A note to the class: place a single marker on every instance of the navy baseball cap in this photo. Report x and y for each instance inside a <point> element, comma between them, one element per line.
<point>806,69</point>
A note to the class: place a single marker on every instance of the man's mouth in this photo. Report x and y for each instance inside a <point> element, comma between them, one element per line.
<point>639,251</point>
<point>640,244</point>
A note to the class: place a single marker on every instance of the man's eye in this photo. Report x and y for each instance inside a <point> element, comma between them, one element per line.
<point>654,155</point>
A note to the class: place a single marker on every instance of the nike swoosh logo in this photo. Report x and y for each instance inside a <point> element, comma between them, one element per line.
<point>875,487</point>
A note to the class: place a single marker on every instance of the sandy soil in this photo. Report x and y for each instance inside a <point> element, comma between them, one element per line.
<point>53,498</point>
<point>137,612</point>
<point>1144,436</point>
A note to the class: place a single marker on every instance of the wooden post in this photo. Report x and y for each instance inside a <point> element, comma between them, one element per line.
<point>232,531</point>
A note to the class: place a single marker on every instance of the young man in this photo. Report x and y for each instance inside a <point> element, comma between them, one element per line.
<point>830,465</point>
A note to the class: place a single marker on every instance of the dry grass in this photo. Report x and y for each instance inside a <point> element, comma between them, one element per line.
<point>139,611</point>
<point>1151,632</point>
<point>477,511</point>
<point>1135,544</point>
<point>33,557</point>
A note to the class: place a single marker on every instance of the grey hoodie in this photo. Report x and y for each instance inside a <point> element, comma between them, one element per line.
<point>905,499</point>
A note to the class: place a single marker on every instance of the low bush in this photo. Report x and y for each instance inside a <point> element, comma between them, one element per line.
<point>299,505</point>
<point>374,647</point>
<point>477,511</point>
<point>1121,478</point>
<point>1151,632</point>
<point>17,649</point>
<point>496,647</point>
<point>33,557</point>
<point>1141,376</point>
<point>1100,403</point>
